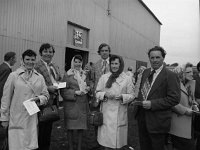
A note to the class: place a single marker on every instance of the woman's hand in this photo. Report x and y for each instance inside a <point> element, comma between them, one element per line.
<point>188,112</point>
<point>37,100</point>
<point>87,88</point>
<point>109,95</point>
<point>79,93</point>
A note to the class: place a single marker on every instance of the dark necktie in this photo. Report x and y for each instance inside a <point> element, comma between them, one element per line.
<point>150,78</point>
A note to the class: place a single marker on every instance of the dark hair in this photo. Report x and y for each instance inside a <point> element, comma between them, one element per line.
<point>198,66</point>
<point>9,55</point>
<point>114,75</point>
<point>79,57</point>
<point>157,48</point>
<point>46,46</point>
<point>103,45</point>
<point>29,53</point>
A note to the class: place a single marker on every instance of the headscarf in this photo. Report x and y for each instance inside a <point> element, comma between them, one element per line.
<point>79,75</point>
<point>115,75</point>
<point>27,72</point>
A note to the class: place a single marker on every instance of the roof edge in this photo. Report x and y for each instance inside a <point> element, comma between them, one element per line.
<point>147,8</point>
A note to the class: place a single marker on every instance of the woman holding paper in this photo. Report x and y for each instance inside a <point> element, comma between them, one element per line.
<point>75,100</point>
<point>22,85</point>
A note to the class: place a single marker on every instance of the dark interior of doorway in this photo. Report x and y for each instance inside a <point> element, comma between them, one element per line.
<point>70,53</point>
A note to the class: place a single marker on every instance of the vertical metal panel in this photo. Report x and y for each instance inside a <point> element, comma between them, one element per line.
<point>29,23</point>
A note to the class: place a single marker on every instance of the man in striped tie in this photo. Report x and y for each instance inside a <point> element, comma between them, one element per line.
<point>159,92</point>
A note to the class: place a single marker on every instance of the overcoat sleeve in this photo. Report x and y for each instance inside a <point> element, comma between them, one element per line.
<point>129,95</point>
<point>7,97</point>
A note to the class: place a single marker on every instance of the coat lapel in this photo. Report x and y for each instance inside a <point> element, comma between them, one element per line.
<point>158,81</point>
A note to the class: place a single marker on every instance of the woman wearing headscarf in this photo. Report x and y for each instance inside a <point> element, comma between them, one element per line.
<point>114,91</point>
<point>181,122</point>
<point>75,100</point>
<point>23,84</point>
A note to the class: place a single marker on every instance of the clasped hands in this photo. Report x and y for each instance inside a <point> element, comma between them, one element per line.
<point>81,92</point>
<point>109,95</point>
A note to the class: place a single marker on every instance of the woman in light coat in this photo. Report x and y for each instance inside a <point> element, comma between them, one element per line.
<point>114,91</point>
<point>23,84</point>
<point>181,123</point>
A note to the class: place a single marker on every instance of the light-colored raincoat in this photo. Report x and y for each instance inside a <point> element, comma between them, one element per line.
<point>113,132</point>
<point>22,130</point>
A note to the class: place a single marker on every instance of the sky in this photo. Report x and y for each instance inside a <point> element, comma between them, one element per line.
<point>180,29</point>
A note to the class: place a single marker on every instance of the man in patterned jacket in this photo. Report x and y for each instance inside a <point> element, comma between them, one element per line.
<point>51,75</point>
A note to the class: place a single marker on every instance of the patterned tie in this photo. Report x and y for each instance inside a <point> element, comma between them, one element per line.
<point>52,71</point>
<point>104,67</point>
<point>147,85</point>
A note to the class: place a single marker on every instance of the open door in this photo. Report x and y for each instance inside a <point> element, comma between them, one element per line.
<point>70,53</point>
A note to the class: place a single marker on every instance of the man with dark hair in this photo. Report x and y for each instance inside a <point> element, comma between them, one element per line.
<point>159,92</point>
<point>51,74</point>
<point>5,70</point>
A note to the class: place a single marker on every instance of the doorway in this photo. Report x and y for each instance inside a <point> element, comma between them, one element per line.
<point>70,53</point>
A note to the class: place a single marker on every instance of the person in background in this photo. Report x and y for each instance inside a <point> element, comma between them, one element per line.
<point>130,73</point>
<point>114,91</point>
<point>102,65</point>
<point>51,74</point>
<point>181,123</point>
<point>75,101</point>
<point>159,92</point>
<point>197,96</point>
<point>5,70</point>
<point>23,84</point>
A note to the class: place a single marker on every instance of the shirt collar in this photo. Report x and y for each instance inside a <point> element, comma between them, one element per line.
<point>47,65</point>
<point>106,60</point>
<point>158,70</point>
<point>8,64</point>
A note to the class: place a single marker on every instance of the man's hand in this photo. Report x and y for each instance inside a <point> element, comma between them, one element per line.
<point>146,104</point>
<point>52,89</point>
<point>4,124</point>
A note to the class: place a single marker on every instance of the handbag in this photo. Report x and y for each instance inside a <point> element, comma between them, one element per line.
<point>49,113</point>
<point>95,118</point>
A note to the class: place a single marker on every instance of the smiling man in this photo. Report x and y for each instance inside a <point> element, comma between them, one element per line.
<point>159,92</point>
<point>51,74</point>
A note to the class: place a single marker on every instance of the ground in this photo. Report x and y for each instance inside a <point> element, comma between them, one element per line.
<point>59,134</point>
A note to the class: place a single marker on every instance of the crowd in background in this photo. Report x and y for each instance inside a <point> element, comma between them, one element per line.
<point>165,98</point>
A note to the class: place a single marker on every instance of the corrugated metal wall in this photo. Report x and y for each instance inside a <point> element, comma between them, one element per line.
<point>29,23</point>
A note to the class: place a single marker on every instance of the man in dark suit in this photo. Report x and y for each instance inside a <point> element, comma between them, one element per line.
<point>51,74</point>
<point>5,70</point>
<point>159,92</point>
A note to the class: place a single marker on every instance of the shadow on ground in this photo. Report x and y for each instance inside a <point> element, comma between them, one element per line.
<point>59,134</point>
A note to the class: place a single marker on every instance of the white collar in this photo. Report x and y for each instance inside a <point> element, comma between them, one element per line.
<point>8,64</point>
<point>157,70</point>
<point>107,60</point>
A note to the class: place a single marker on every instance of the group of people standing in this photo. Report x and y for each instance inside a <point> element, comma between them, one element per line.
<point>164,100</point>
